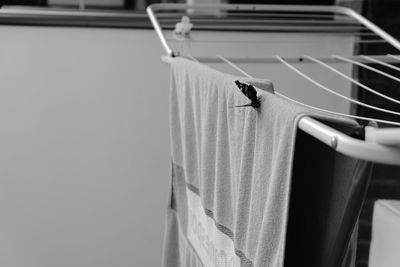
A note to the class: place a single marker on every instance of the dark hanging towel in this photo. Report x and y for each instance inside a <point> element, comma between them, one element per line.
<point>327,193</point>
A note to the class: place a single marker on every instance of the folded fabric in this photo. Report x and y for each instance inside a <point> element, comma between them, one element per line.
<point>231,170</point>
<point>326,196</point>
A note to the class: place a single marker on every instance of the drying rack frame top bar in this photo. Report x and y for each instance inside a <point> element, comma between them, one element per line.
<point>367,150</point>
<point>152,9</point>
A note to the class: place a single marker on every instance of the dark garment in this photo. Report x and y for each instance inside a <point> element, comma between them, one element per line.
<point>327,193</point>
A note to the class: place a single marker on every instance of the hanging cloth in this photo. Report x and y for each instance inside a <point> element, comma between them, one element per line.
<point>231,169</point>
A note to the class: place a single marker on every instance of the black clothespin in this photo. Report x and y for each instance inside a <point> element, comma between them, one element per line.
<point>250,92</point>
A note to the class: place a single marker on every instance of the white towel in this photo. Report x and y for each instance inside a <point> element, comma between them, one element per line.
<point>231,170</point>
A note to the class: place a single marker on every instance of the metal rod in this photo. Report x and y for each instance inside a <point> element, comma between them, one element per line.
<point>249,7</point>
<point>380,62</point>
<point>289,8</point>
<point>319,23</point>
<point>158,29</point>
<point>196,39</point>
<point>282,28</point>
<point>174,14</point>
<point>344,144</point>
<point>353,80</point>
<point>236,67</point>
<point>384,35</point>
<point>290,59</point>
<point>240,70</point>
<point>339,113</point>
<point>350,146</point>
<point>395,57</point>
<point>332,91</point>
<point>269,30</point>
<point>367,67</point>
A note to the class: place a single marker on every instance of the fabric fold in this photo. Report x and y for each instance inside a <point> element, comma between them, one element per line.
<point>232,169</point>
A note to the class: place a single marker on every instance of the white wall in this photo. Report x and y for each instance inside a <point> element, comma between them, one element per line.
<point>84,143</point>
<point>84,147</point>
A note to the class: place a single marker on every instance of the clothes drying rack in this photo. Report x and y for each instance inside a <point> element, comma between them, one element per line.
<point>380,145</point>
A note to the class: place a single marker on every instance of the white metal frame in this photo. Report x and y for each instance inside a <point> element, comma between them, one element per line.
<point>289,8</point>
<point>375,148</point>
